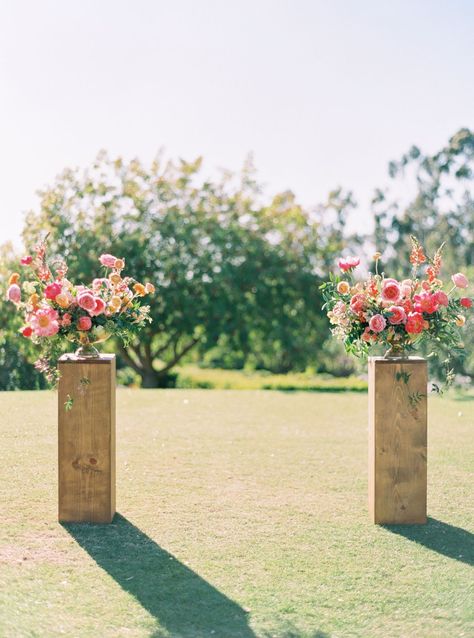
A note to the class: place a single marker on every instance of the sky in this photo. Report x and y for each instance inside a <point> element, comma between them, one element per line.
<point>323,93</point>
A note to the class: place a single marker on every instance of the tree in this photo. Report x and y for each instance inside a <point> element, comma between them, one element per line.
<point>228,267</point>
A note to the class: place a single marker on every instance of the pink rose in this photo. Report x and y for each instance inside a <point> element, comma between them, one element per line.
<point>441,298</point>
<point>52,290</point>
<point>102,281</point>
<point>99,307</point>
<point>26,261</point>
<point>465,302</point>
<point>84,323</point>
<point>377,323</point>
<point>86,300</point>
<point>391,291</point>
<point>460,280</point>
<point>415,323</point>
<point>14,293</point>
<point>108,260</point>
<point>358,303</point>
<point>348,263</point>
<point>397,315</point>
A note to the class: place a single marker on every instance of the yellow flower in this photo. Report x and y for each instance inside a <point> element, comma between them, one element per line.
<point>149,288</point>
<point>460,320</point>
<point>14,278</point>
<point>139,289</point>
<point>63,300</point>
<point>119,264</point>
<point>115,302</point>
<point>115,278</point>
<point>34,300</point>
<point>343,287</point>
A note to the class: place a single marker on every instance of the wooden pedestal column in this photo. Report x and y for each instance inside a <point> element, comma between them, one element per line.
<point>86,439</point>
<point>397,440</point>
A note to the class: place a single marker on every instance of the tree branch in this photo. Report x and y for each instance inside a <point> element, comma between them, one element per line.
<point>179,355</point>
<point>128,359</point>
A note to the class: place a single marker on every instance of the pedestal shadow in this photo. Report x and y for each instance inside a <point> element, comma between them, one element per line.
<point>451,541</point>
<point>183,602</point>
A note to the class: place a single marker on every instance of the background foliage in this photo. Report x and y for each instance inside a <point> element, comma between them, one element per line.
<point>237,273</point>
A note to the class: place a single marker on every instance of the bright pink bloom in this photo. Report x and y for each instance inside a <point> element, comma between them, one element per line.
<point>348,263</point>
<point>45,322</point>
<point>14,293</point>
<point>377,323</point>
<point>442,298</point>
<point>460,280</point>
<point>415,323</point>
<point>391,291</point>
<point>426,302</point>
<point>398,315</point>
<point>405,287</point>
<point>52,290</point>
<point>358,303</point>
<point>84,323</point>
<point>86,300</point>
<point>107,260</point>
<point>100,306</point>
<point>26,261</point>
<point>465,302</point>
<point>27,331</point>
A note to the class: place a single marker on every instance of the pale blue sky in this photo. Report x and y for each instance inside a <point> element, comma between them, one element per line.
<point>322,92</point>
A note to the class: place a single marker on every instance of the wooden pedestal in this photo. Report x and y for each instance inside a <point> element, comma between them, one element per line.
<point>397,440</point>
<point>86,439</point>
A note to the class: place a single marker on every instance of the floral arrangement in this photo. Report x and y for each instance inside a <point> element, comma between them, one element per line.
<point>54,308</point>
<point>397,314</point>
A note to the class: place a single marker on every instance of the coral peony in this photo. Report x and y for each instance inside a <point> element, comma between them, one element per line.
<point>84,323</point>
<point>397,315</point>
<point>45,322</point>
<point>391,291</point>
<point>358,303</point>
<point>14,293</point>
<point>100,306</point>
<point>108,260</point>
<point>465,302</point>
<point>377,323</point>
<point>426,302</point>
<point>442,298</point>
<point>414,323</point>
<point>460,280</point>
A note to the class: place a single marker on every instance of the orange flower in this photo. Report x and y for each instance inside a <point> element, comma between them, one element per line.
<point>139,289</point>
<point>115,302</point>
<point>63,300</point>
<point>119,264</point>
<point>34,300</point>
<point>342,287</point>
<point>14,278</point>
<point>115,278</point>
<point>460,321</point>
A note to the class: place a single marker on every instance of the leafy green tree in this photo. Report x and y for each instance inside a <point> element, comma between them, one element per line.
<point>230,269</point>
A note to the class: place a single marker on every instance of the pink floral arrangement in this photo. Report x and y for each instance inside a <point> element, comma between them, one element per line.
<point>385,311</point>
<point>54,308</point>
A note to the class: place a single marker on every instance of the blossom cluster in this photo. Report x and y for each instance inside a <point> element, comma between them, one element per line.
<point>397,313</point>
<point>55,307</point>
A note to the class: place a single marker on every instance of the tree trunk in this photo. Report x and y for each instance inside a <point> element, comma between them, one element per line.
<point>150,378</point>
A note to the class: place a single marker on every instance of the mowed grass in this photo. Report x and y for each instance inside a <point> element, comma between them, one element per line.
<point>242,514</point>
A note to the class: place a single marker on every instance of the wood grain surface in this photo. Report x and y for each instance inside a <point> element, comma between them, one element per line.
<point>397,440</point>
<point>86,439</point>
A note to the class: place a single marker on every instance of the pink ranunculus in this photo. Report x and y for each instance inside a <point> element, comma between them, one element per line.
<point>52,290</point>
<point>100,306</point>
<point>358,303</point>
<point>14,293</point>
<point>441,298</point>
<point>414,323</point>
<point>426,302</point>
<point>107,260</point>
<point>66,320</point>
<point>86,300</point>
<point>397,315</point>
<point>348,263</point>
<point>377,323</point>
<point>44,322</point>
<point>99,282</point>
<point>26,261</point>
<point>391,291</point>
<point>466,302</point>
<point>460,280</point>
<point>84,323</point>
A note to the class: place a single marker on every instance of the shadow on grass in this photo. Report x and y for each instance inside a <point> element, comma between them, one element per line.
<point>183,602</point>
<point>451,541</point>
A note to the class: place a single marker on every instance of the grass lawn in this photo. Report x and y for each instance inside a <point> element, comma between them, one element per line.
<point>242,514</point>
